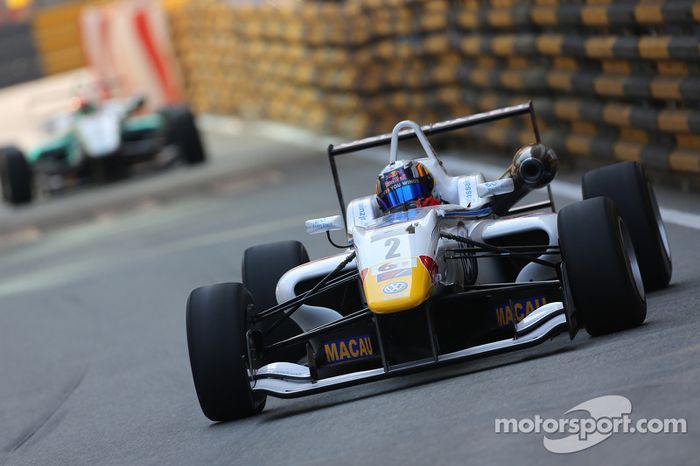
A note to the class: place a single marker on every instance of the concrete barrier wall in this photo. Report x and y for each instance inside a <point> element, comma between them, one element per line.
<point>610,80</point>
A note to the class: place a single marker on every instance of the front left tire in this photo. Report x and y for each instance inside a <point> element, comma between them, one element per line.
<point>216,340</point>
<point>16,176</point>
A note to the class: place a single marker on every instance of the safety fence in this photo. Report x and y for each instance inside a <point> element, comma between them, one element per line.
<point>612,80</point>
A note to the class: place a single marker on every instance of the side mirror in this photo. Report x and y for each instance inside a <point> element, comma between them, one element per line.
<point>321,225</point>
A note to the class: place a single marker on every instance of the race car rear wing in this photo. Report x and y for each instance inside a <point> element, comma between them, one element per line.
<point>435,128</point>
<point>439,127</point>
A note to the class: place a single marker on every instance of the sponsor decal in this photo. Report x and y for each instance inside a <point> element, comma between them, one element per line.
<point>396,287</point>
<point>319,225</point>
<point>401,264</point>
<point>468,191</point>
<point>382,277</point>
<point>362,214</point>
<point>393,265</point>
<point>348,349</point>
<point>515,311</point>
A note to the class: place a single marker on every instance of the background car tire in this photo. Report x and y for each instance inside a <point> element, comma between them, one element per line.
<point>182,132</point>
<point>600,262</point>
<point>16,176</point>
<point>627,185</point>
<point>216,339</point>
<point>262,267</point>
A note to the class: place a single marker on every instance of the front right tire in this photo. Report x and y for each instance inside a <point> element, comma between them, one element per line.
<point>263,266</point>
<point>601,266</point>
<point>182,132</point>
<point>216,340</point>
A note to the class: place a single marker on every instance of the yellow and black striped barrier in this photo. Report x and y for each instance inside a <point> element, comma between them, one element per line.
<point>613,14</point>
<point>610,80</point>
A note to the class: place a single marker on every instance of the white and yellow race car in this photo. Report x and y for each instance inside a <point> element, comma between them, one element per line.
<point>414,288</point>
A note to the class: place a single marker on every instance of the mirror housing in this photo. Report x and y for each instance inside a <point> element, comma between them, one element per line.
<point>321,225</point>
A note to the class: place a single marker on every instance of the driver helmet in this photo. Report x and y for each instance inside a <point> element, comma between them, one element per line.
<point>403,185</point>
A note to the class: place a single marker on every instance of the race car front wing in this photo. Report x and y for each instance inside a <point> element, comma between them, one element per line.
<point>289,380</point>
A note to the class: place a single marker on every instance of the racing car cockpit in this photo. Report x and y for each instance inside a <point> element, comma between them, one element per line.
<point>408,184</point>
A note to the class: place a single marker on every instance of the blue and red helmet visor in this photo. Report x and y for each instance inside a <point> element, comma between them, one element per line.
<point>405,192</point>
<point>402,186</point>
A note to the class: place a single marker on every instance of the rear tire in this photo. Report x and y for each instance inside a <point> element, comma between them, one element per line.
<point>262,268</point>
<point>627,185</point>
<point>216,339</point>
<point>601,265</point>
<point>16,176</point>
<point>182,132</point>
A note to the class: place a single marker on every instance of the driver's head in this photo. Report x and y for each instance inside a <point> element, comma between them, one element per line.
<point>402,185</point>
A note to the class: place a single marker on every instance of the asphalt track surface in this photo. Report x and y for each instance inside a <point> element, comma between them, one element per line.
<point>94,366</point>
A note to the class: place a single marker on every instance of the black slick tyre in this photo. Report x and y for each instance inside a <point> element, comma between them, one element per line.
<point>16,176</point>
<point>627,185</point>
<point>216,339</point>
<point>601,266</point>
<point>181,131</point>
<point>262,268</point>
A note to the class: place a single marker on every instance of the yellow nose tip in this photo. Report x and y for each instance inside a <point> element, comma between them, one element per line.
<point>399,291</point>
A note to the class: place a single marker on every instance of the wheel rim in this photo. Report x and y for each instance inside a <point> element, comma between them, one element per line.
<point>659,222</point>
<point>632,259</point>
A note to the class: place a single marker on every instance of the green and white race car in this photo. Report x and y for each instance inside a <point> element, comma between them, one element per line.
<point>99,142</point>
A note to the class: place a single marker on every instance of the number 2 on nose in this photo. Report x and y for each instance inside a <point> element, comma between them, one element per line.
<point>393,245</point>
